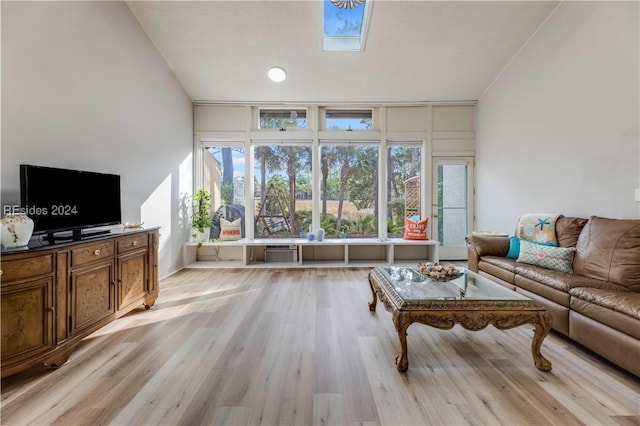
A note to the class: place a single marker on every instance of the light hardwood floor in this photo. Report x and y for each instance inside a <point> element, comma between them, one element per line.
<point>300,346</point>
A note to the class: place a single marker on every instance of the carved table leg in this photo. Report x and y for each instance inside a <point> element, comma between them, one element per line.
<point>543,325</point>
<point>374,302</point>
<point>401,323</point>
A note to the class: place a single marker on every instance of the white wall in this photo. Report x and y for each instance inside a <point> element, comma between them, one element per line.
<point>558,130</point>
<point>83,87</point>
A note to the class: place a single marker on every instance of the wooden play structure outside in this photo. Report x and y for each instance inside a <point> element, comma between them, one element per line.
<point>274,219</point>
<point>277,220</point>
<point>412,196</point>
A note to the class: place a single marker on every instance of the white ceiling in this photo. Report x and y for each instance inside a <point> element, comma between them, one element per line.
<point>415,50</point>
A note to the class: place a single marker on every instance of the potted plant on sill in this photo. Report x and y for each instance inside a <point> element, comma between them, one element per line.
<point>201,217</point>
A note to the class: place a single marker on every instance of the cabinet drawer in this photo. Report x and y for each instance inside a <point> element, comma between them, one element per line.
<point>133,242</point>
<point>26,267</point>
<point>92,253</point>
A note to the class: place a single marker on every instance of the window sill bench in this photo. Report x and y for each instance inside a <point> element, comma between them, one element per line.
<point>301,253</point>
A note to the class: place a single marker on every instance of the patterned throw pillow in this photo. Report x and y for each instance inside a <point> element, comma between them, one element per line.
<point>230,231</point>
<point>550,257</point>
<point>540,227</point>
<point>514,247</point>
<point>415,229</point>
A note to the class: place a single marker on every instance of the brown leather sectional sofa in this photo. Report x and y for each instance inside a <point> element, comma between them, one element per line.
<point>598,305</point>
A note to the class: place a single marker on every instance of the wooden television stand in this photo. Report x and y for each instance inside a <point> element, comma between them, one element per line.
<point>54,295</point>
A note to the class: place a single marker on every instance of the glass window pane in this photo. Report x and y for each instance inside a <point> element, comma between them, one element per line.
<point>340,119</point>
<point>343,20</point>
<point>282,182</point>
<point>403,187</point>
<point>224,178</point>
<point>349,191</point>
<point>344,24</point>
<point>453,227</point>
<point>283,118</point>
<point>452,204</point>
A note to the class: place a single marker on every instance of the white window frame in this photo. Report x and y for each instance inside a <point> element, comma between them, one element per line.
<point>457,252</point>
<point>282,142</point>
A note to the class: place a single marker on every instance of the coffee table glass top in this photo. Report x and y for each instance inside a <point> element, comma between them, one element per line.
<point>413,286</point>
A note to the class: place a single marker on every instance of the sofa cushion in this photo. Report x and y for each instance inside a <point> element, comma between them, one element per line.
<point>609,250</point>
<point>551,293</point>
<point>626,302</point>
<point>499,267</point>
<point>618,309</point>
<point>568,230</point>
<point>556,279</point>
<point>501,262</point>
<point>562,280</point>
<point>558,258</point>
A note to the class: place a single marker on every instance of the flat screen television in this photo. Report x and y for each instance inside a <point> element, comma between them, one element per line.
<point>69,200</point>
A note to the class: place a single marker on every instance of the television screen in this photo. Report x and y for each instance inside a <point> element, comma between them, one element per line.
<point>62,199</point>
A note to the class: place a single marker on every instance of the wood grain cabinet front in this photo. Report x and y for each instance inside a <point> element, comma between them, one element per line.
<point>90,253</point>
<point>152,281</point>
<point>132,279</point>
<point>27,321</point>
<point>134,242</point>
<point>54,296</point>
<point>92,295</point>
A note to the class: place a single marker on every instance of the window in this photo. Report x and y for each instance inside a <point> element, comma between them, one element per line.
<point>403,186</point>
<point>359,184</point>
<point>283,119</point>
<point>349,190</point>
<point>282,189</point>
<point>345,27</point>
<point>348,119</point>
<point>223,177</point>
<point>452,190</point>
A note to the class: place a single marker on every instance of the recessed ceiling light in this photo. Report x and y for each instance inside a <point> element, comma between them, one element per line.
<point>277,74</point>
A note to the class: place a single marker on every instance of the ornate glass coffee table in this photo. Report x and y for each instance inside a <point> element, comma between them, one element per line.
<point>470,300</point>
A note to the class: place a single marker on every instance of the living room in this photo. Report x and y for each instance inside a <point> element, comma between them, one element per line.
<point>556,126</point>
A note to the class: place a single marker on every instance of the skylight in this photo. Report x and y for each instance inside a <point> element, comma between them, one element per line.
<point>345,28</point>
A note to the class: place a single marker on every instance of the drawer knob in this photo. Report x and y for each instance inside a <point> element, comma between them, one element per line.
<point>97,252</point>
<point>135,243</point>
<point>51,309</point>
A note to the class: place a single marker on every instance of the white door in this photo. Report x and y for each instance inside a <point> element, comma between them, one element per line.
<point>452,205</point>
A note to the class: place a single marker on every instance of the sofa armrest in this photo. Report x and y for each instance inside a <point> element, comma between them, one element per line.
<point>483,245</point>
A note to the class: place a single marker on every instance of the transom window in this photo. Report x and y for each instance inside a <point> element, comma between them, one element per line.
<point>283,119</point>
<point>348,119</point>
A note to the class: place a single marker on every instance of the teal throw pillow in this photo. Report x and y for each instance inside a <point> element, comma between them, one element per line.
<point>514,248</point>
<point>550,257</point>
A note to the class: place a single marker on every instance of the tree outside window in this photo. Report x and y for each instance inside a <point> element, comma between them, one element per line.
<point>282,183</point>
<point>349,190</point>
